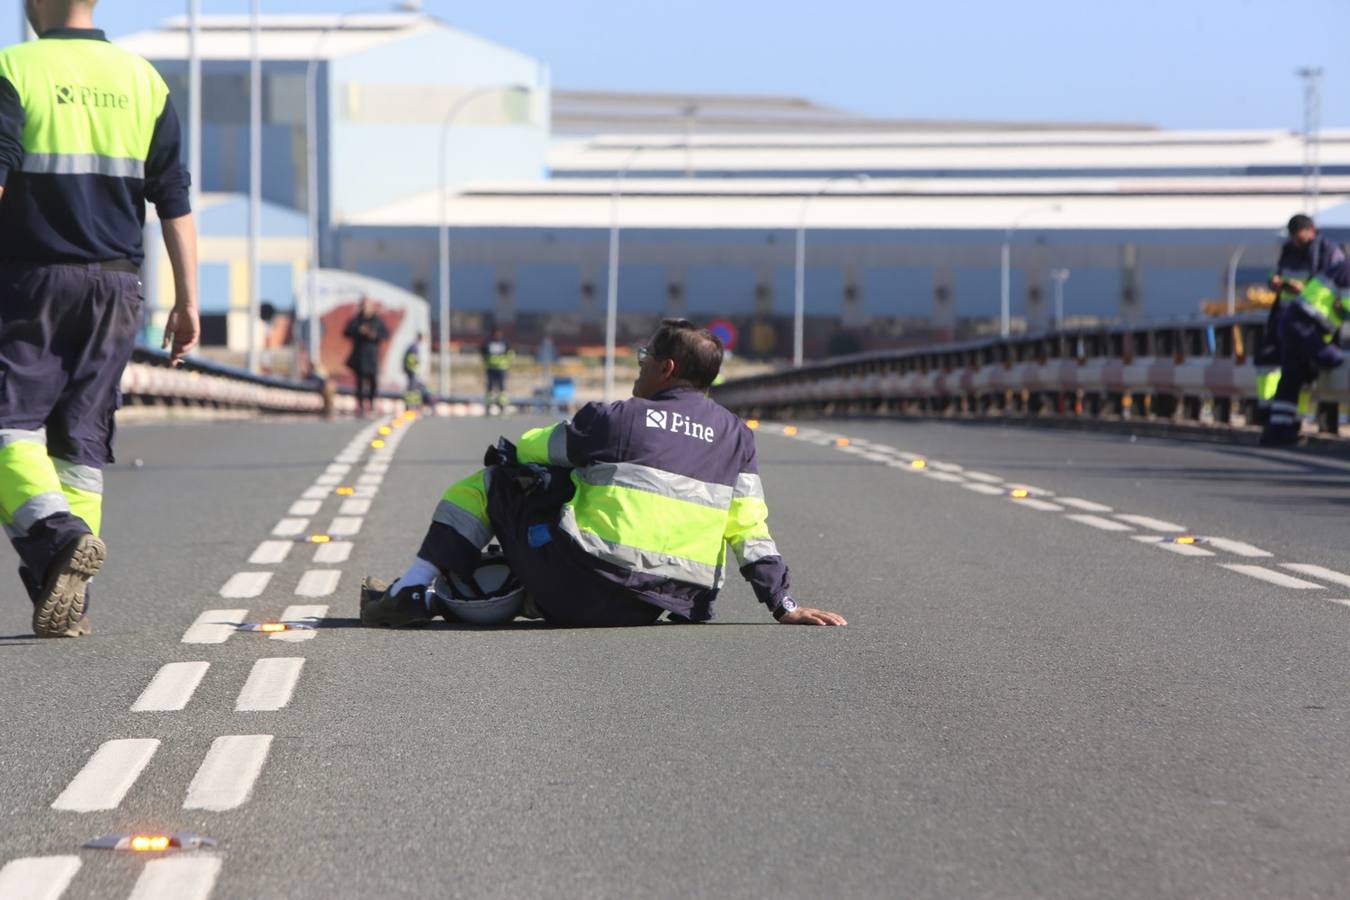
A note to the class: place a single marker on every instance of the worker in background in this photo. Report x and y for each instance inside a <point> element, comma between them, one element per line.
<point>367,332</point>
<point>497,358</point>
<point>618,515</point>
<point>87,136</point>
<point>412,362</point>
<point>1309,344</point>
<point>1305,253</point>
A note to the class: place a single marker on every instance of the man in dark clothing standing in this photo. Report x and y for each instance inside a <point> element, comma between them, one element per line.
<point>497,358</point>
<point>366,332</point>
<point>87,136</point>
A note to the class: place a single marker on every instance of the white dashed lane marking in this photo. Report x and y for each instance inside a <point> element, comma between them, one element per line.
<point>305,614</point>
<point>177,878</point>
<point>226,776</point>
<point>1150,523</point>
<point>245,584</point>
<point>1237,548</point>
<point>290,527</point>
<point>943,476</point>
<point>988,489</point>
<point>1086,505</point>
<point>333,552</point>
<point>318,492</point>
<point>108,775</point>
<point>328,480</point>
<point>270,684</point>
<point>270,552</point>
<point>171,688</point>
<point>337,469</point>
<point>214,626</point>
<point>37,877</point>
<point>1099,522</point>
<point>1272,577</point>
<point>983,476</point>
<point>365,490</point>
<point>358,506</point>
<point>369,479</point>
<point>318,582</point>
<point>304,507</point>
<point>1042,505</point>
<point>1179,549</point>
<point>345,526</point>
<point>1319,572</point>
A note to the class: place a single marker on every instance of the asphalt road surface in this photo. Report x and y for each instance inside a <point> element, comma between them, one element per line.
<point>1037,696</point>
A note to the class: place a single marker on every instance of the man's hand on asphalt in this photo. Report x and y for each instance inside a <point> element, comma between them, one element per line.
<point>182,331</point>
<point>805,615</point>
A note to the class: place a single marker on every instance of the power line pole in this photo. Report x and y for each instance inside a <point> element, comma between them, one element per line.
<point>1312,126</point>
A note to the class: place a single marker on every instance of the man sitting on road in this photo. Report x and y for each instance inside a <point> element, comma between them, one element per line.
<point>618,515</point>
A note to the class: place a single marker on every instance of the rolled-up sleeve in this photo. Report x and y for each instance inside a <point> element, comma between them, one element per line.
<point>166,178</point>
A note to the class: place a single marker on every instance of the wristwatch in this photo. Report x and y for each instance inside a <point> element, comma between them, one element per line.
<point>785,606</point>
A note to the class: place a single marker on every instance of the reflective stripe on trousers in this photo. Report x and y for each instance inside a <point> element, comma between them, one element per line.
<point>30,489</point>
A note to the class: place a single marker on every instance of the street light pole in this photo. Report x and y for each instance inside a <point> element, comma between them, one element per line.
<point>1059,276</point>
<point>1232,278</point>
<point>1005,267</point>
<point>194,101</point>
<point>799,285</point>
<point>254,182</point>
<point>443,232</point>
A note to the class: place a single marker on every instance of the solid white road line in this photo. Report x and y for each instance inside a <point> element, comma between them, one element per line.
<point>318,582</point>
<point>355,507</point>
<point>1319,572</point>
<point>1042,505</point>
<point>333,552</point>
<point>245,584</point>
<point>270,684</point>
<point>290,527</point>
<point>989,489</point>
<point>943,476</point>
<point>108,775</point>
<point>1237,548</point>
<point>304,507</point>
<point>225,777</point>
<point>270,553</point>
<point>1099,522</point>
<point>345,526</point>
<point>1150,523</point>
<point>37,877</point>
<point>308,614</point>
<point>177,878</point>
<point>983,476</point>
<point>1180,549</point>
<point>1273,577</point>
<point>316,493</point>
<point>214,626</point>
<point>1087,505</point>
<point>171,688</point>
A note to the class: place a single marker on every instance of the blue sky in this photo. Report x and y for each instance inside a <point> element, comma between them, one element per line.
<point>1179,64</point>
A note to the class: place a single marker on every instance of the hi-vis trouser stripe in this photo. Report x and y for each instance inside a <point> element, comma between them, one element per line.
<point>1282,412</point>
<point>747,522</point>
<point>30,489</point>
<point>464,509</point>
<point>83,487</point>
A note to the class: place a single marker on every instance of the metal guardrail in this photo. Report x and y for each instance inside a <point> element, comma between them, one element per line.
<point>1193,371</point>
<point>149,380</point>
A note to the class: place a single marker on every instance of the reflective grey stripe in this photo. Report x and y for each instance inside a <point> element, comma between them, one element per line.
<point>557,446</point>
<point>1281,419</point>
<point>754,549</point>
<point>1284,406</point>
<point>657,481</point>
<point>35,509</point>
<point>85,478</point>
<point>1299,274</point>
<point>466,523</point>
<point>14,435</point>
<point>82,164</point>
<point>641,561</point>
<point>1317,315</point>
<point>748,485</point>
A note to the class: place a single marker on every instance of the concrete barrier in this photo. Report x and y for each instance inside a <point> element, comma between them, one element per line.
<point>1198,371</point>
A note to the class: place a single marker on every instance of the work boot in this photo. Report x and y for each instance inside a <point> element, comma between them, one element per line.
<point>405,609</point>
<point>371,589</point>
<point>60,604</point>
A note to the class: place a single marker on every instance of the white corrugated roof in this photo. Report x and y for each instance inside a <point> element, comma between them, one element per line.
<point>281,37</point>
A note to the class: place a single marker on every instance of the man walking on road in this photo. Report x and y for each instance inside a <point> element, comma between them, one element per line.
<point>620,514</point>
<point>87,136</point>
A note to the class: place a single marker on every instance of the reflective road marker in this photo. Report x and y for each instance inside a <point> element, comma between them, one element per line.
<point>108,775</point>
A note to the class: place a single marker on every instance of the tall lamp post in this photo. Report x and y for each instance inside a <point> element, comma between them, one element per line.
<point>194,101</point>
<point>1232,277</point>
<point>1059,276</point>
<point>254,180</point>
<point>799,292</point>
<point>612,293</point>
<point>1005,286</point>
<point>443,248</point>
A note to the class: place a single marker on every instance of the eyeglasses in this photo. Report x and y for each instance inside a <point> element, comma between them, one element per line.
<point>643,353</point>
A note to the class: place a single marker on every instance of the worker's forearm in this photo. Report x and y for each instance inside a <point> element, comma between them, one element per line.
<point>180,241</point>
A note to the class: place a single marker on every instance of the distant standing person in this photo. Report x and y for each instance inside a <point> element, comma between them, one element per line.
<point>412,362</point>
<point>1305,255</point>
<point>497,358</point>
<point>87,136</point>
<point>366,332</point>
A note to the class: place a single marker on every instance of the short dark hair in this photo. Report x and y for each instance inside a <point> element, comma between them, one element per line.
<point>1300,222</point>
<point>696,352</point>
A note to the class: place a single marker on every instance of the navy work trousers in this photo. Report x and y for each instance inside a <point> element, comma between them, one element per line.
<point>523,508</point>
<point>66,334</point>
<point>1304,352</point>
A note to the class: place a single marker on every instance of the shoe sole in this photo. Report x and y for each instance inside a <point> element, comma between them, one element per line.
<point>60,608</point>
